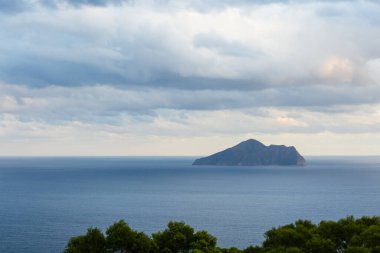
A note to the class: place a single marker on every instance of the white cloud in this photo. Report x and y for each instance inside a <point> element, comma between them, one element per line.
<point>187,73</point>
<point>151,44</point>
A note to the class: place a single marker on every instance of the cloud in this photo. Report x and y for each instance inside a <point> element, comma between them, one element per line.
<point>95,2</point>
<point>181,132</point>
<point>222,46</point>
<point>15,6</point>
<point>12,6</point>
<point>182,70</point>
<point>176,112</point>
<point>254,47</point>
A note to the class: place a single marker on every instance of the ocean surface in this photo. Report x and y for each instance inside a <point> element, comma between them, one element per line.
<point>45,201</point>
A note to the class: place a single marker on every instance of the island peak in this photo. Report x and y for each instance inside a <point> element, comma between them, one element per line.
<point>252,152</point>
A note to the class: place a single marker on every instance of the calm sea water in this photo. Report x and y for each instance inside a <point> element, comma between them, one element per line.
<point>45,201</point>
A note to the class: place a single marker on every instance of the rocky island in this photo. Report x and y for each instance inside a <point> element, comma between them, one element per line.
<point>253,152</point>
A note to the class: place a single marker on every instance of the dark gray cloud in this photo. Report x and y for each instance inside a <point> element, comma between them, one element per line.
<point>10,7</point>
<point>14,6</point>
<point>95,2</point>
<point>78,3</point>
<point>39,72</point>
<point>109,104</point>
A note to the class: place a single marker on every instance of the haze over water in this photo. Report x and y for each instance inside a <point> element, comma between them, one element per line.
<point>45,201</point>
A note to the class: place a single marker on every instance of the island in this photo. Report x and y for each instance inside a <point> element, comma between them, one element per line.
<point>252,152</point>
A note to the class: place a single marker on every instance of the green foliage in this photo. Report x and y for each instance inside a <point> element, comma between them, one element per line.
<point>92,242</point>
<point>177,237</point>
<point>121,238</point>
<point>253,249</point>
<point>203,241</point>
<point>231,250</point>
<point>285,250</point>
<point>347,235</point>
<point>317,244</point>
<point>356,250</point>
<point>329,236</point>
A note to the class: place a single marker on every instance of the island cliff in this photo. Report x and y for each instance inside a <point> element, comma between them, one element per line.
<point>253,152</point>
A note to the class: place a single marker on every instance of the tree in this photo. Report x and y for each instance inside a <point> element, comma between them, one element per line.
<point>121,238</point>
<point>356,250</point>
<point>202,240</point>
<point>178,237</point>
<point>286,237</point>
<point>369,238</point>
<point>231,250</point>
<point>285,250</point>
<point>347,235</point>
<point>317,245</point>
<point>92,242</point>
<point>333,231</point>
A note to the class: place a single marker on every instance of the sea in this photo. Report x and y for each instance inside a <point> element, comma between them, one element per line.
<point>44,201</point>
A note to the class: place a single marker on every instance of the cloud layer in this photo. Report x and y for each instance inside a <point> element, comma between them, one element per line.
<point>166,71</point>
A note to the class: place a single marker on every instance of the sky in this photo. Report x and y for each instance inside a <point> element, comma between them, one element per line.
<point>171,77</point>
